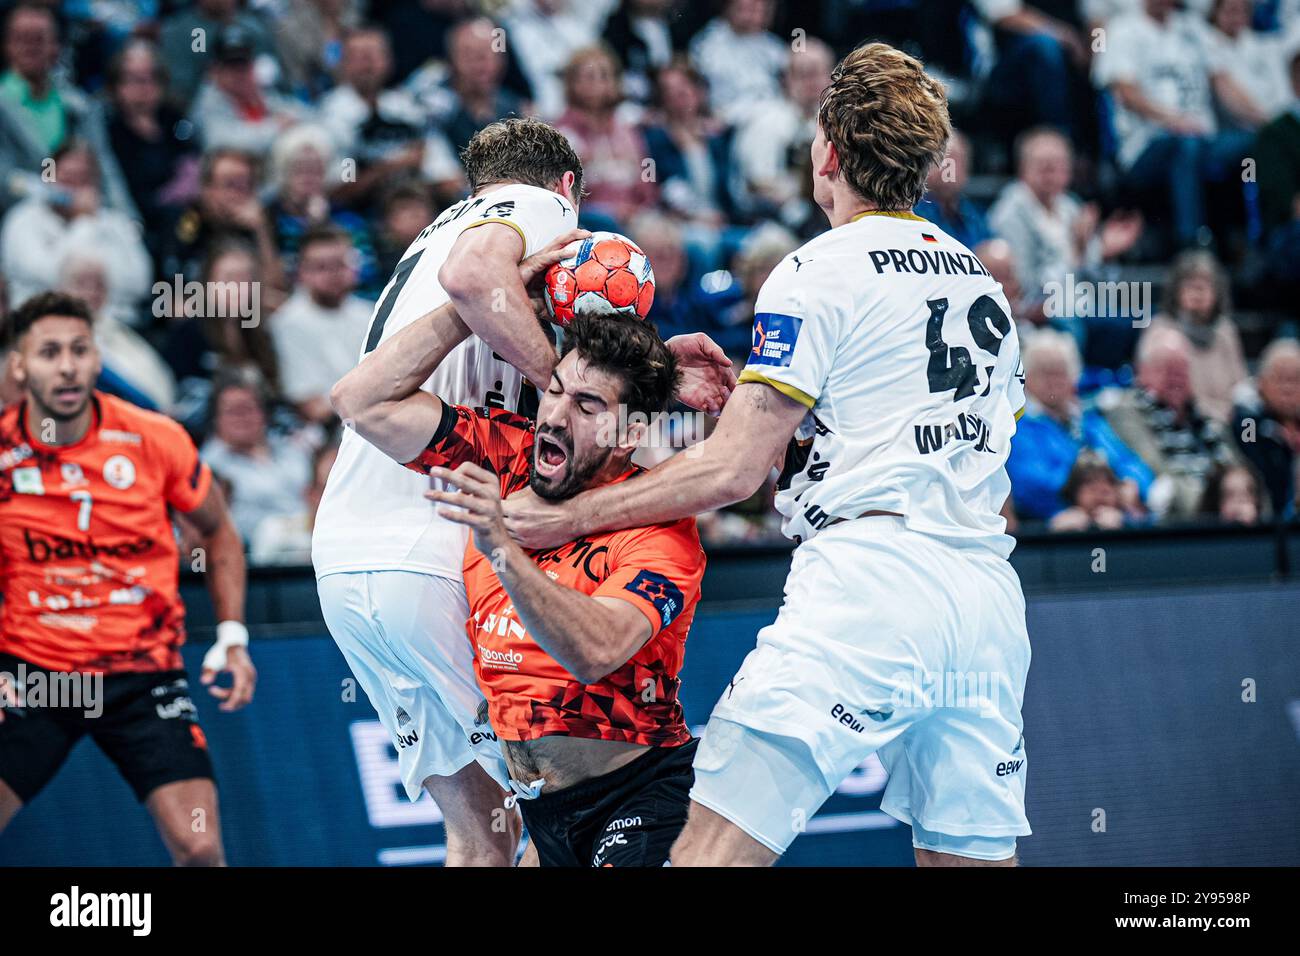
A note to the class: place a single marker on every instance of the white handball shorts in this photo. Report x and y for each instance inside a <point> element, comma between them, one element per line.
<point>403,635</point>
<point>889,641</point>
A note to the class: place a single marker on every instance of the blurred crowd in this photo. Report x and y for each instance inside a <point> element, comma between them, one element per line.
<point>229,184</point>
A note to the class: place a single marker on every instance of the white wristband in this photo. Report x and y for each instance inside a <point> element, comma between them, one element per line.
<point>229,634</point>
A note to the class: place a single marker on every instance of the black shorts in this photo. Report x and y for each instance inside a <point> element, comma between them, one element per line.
<point>145,723</point>
<point>626,818</point>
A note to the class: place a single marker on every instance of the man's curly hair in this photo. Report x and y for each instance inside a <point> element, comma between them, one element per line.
<point>888,121</point>
<point>630,349</point>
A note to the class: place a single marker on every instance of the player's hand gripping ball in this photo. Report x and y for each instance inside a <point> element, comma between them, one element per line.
<point>606,274</point>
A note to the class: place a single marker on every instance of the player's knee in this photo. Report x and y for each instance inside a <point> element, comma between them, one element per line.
<point>936,858</point>
<point>683,851</point>
<point>483,840</point>
<point>691,845</point>
<point>199,849</point>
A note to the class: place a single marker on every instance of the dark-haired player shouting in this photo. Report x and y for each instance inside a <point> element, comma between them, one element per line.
<point>577,648</point>
<point>89,566</point>
<point>388,567</point>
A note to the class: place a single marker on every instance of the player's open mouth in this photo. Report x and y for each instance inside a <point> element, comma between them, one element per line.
<point>551,456</point>
<point>69,393</point>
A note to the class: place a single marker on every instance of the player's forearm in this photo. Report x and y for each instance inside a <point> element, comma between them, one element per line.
<point>727,467</point>
<point>574,628</point>
<point>399,367</point>
<point>382,399</point>
<point>226,572</point>
<point>702,479</point>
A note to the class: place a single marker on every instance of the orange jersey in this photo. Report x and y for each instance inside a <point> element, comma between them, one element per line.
<point>657,569</point>
<point>87,555</point>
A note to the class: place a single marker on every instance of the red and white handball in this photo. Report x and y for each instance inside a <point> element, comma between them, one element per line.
<point>607,274</point>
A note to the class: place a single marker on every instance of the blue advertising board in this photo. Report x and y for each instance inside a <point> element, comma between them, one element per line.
<point>1162,727</point>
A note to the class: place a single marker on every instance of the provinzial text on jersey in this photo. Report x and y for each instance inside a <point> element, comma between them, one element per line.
<point>927,262</point>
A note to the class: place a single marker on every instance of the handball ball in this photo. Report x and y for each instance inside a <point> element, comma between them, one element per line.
<point>607,274</point>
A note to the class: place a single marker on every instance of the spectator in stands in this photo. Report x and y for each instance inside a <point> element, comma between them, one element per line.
<point>1233,495</point>
<point>1198,304</point>
<point>38,232</point>
<point>692,152</point>
<point>309,39</point>
<point>1094,497</point>
<point>382,130</point>
<point>231,109</point>
<point>318,332</point>
<point>1055,428</point>
<point>1277,152</point>
<point>189,38</point>
<point>474,93</point>
<point>754,521</point>
<point>999,258</point>
<point>1038,59</point>
<point>419,30</point>
<point>644,36</point>
<point>740,58</point>
<point>1164,84</point>
<point>772,143</point>
<point>286,538</point>
<point>946,204</point>
<point>612,151</point>
<point>1267,423</point>
<point>226,329</point>
<point>227,208</point>
<point>1251,62</point>
<point>1158,418</point>
<point>405,210</point>
<point>10,390</point>
<point>660,238</point>
<point>156,146</point>
<point>127,358</point>
<point>302,165</point>
<point>725,305</point>
<point>545,34</point>
<point>1051,231</point>
<point>268,472</point>
<point>40,113</point>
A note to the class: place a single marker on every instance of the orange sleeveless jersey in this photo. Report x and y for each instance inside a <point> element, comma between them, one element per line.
<point>87,555</point>
<point>657,569</point>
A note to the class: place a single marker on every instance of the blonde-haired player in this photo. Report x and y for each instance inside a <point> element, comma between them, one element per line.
<point>888,350</point>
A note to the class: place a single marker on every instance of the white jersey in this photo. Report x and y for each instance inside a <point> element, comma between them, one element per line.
<point>373,515</point>
<point>904,350</point>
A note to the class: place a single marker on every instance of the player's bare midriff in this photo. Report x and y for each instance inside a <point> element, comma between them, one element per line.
<point>565,761</point>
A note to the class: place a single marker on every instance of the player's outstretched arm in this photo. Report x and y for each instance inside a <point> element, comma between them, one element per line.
<point>755,427</point>
<point>226,579</point>
<point>590,636</point>
<point>382,399</point>
<point>483,278</point>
